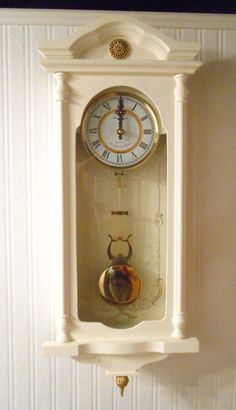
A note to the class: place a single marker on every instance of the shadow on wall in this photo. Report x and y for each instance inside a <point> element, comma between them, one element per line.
<point>206,380</point>
<point>211,218</point>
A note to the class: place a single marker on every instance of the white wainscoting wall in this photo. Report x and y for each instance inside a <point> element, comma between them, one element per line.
<point>28,381</point>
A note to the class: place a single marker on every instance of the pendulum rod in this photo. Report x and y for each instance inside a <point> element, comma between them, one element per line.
<point>119,216</point>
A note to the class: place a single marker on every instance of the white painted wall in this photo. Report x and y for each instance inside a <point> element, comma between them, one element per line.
<point>204,381</point>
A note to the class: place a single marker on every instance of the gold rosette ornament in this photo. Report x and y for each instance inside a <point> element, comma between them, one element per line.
<point>119,48</point>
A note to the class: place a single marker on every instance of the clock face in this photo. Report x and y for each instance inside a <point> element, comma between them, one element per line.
<point>119,128</point>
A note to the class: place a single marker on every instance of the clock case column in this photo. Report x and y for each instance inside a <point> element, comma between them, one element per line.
<point>179,314</point>
<point>64,164</point>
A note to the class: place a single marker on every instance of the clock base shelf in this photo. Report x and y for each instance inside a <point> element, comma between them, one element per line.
<point>119,357</point>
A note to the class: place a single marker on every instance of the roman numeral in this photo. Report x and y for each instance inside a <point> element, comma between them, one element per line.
<point>106,105</point>
<point>135,105</point>
<point>143,145</point>
<point>105,154</point>
<point>93,130</point>
<point>134,155</point>
<point>147,132</point>
<point>96,116</point>
<point>119,158</point>
<point>144,118</point>
<point>96,144</point>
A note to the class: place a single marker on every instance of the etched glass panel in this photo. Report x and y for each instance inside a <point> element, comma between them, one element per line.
<point>140,193</point>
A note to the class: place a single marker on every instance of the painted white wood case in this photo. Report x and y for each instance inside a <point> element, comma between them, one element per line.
<point>158,67</point>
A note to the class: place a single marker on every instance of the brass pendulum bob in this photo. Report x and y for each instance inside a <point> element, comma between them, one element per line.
<point>119,283</point>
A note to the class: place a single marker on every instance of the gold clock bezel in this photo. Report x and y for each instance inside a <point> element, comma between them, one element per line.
<point>112,92</point>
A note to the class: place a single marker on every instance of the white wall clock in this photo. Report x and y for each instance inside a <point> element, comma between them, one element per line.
<point>121,93</point>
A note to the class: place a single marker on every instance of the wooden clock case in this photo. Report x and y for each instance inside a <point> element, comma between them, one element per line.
<point>159,67</point>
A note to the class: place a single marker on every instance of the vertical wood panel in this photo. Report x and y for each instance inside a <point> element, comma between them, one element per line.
<point>85,391</point>
<point>189,35</point>
<point>19,216</point>
<point>205,398</point>
<point>220,44</point>
<point>234,390</point>
<point>224,395</point>
<point>186,381</point>
<point>50,136</point>
<point>105,390</point>
<point>209,45</point>
<point>8,223</point>
<point>40,163</point>
<point>5,305</point>
<point>146,387</point>
<point>74,382</point>
<point>28,117</point>
<point>166,384</point>
<point>230,44</point>
<point>64,386</point>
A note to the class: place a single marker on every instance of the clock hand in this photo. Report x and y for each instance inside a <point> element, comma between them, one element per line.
<point>120,112</point>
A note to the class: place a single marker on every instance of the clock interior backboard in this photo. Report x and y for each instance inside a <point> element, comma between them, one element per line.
<point>143,195</point>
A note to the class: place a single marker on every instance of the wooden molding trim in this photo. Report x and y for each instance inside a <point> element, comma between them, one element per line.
<point>81,17</point>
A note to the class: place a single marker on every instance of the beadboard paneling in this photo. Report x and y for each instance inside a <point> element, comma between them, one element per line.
<point>5,309</point>
<point>28,381</point>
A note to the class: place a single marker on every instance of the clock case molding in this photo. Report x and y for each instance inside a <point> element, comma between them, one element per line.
<point>83,67</point>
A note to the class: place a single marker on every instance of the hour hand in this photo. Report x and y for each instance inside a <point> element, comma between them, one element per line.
<point>120,112</point>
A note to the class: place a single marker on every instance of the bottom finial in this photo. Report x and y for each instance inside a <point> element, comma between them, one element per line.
<point>122,382</point>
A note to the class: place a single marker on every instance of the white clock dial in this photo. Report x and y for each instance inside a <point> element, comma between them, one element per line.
<point>119,129</point>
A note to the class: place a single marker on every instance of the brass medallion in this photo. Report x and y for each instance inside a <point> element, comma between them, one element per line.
<point>119,48</point>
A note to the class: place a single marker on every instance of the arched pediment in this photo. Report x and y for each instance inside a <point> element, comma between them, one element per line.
<point>91,43</point>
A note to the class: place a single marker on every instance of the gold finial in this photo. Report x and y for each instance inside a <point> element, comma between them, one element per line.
<point>122,382</point>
